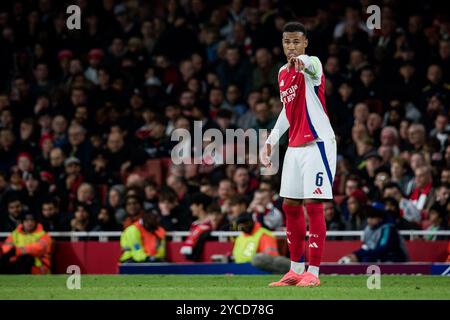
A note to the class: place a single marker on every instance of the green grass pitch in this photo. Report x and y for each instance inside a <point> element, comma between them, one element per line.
<point>210,287</point>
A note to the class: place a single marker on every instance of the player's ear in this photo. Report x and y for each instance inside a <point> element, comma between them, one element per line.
<point>306,42</point>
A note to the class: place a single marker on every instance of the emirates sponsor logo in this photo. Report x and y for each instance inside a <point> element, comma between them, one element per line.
<point>289,94</point>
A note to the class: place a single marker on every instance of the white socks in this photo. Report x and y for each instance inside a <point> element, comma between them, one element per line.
<point>298,267</point>
<point>314,270</point>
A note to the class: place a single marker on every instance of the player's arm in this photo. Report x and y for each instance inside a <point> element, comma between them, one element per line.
<point>278,130</point>
<point>312,67</point>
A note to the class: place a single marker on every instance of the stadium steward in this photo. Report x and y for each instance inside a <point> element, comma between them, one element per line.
<point>27,250</point>
<point>253,239</point>
<point>144,240</point>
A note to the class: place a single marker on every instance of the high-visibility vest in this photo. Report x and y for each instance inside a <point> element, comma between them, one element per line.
<point>246,246</point>
<point>137,243</point>
<point>38,244</point>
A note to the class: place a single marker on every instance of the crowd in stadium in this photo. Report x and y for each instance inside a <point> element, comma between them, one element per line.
<point>84,113</point>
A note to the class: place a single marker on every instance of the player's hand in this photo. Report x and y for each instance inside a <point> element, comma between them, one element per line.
<point>265,155</point>
<point>296,63</point>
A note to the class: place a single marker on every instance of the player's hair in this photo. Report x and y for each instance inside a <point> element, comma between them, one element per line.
<point>294,26</point>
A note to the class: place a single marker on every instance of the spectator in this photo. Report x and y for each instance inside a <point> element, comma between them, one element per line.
<point>78,145</point>
<point>390,137</point>
<point>441,129</point>
<point>408,209</point>
<point>333,218</point>
<point>357,206</point>
<point>245,185</point>
<point>200,229</point>
<point>225,191</point>
<point>264,118</point>
<point>69,182</point>
<point>237,205</point>
<point>235,69</point>
<point>373,162</point>
<point>416,136</point>
<point>442,194</point>
<point>174,217</point>
<point>27,250</point>
<point>59,127</point>
<point>51,218</point>
<point>248,119</point>
<point>82,218</point>
<point>134,210</point>
<point>264,211</point>
<point>57,159</point>
<point>399,173</point>
<point>265,72</point>
<point>438,221</point>
<point>116,202</point>
<point>150,194</point>
<point>117,153</point>
<point>144,240</point>
<point>423,195</point>
<point>395,215</point>
<point>15,210</point>
<point>352,183</point>
<point>381,242</point>
<point>106,221</point>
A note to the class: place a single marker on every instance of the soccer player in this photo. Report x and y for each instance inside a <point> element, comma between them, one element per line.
<point>310,161</point>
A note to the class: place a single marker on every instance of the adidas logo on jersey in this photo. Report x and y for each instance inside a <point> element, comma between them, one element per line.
<point>282,83</point>
<point>317,191</point>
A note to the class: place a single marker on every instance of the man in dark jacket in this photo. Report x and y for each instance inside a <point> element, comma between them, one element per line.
<point>381,242</point>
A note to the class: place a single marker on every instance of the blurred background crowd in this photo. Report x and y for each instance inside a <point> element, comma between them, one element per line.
<point>86,115</point>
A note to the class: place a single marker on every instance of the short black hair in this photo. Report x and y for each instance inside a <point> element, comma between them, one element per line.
<point>295,26</point>
<point>135,197</point>
<point>50,200</point>
<point>439,209</point>
<point>201,198</point>
<point>395,185</point>
<point>13,198</point>
<point>390,200</point>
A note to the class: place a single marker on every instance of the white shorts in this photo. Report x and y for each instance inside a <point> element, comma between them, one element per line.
<point>308,171</point>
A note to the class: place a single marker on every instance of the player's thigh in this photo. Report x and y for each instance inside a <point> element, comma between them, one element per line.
<point>292,175</point>
<point>318,172</point>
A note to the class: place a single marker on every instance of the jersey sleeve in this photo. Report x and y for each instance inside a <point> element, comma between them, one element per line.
<point>282,123</point>
<point>279,129</point>
<point>313,68</point>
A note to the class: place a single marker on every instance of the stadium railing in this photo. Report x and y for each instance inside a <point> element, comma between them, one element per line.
<point>223,236</point>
